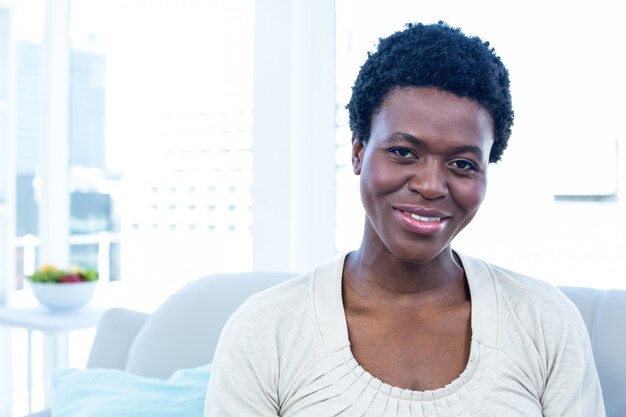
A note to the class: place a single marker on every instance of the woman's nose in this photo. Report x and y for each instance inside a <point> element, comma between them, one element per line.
<point>429,180</point>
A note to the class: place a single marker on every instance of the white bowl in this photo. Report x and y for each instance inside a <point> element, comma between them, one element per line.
<point>63,295</point>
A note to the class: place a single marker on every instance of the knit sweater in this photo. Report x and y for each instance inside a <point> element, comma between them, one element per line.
<point>286,352</point>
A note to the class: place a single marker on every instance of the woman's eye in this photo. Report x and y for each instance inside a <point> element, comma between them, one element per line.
<point>403,152</point>
<point>464,165</point>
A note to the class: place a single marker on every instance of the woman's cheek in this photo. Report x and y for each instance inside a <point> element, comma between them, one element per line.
<point>473,194</point>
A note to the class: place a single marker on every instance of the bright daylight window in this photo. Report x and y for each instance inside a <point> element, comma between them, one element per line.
<point>555,203</point>
<point>160,143</point>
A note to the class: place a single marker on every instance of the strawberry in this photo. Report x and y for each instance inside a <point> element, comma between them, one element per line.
<point>68,278</point>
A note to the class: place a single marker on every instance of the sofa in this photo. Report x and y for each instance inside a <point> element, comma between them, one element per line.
<point>183,331</point>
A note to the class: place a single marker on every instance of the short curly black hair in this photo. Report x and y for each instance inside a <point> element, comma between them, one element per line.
<point>440,56</point>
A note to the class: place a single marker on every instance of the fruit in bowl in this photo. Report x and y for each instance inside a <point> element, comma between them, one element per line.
<point>63,289</point>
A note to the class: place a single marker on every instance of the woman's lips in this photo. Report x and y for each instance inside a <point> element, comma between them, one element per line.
<point>424,223</point>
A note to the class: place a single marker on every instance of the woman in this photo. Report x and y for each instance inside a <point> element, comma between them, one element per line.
<point>405,326</point>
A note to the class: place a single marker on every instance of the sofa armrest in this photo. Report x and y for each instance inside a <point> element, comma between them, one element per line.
<point>114,336</point>
<point>604,313</point>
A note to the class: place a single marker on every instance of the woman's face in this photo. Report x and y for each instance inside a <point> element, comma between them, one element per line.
<point>423,171</point>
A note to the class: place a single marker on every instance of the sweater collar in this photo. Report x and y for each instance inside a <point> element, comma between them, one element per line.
<point>331,317</point>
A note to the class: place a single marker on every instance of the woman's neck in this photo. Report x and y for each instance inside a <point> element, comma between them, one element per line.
<point>376,274</point>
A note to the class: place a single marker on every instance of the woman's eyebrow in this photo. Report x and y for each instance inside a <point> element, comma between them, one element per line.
<point>419,143</point>
<point>415,141</point>
<point>470,149</point>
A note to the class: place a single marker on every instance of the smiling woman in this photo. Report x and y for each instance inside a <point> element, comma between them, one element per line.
<point>405,322</point>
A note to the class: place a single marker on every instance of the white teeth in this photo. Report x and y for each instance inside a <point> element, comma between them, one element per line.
<point>423,219</point>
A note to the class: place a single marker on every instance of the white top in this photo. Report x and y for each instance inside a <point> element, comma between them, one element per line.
<point>286,352</point>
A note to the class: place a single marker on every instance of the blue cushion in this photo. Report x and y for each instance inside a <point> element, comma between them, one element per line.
<point>112,392</point>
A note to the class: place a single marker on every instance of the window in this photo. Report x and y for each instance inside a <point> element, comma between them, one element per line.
<point>145,131</point>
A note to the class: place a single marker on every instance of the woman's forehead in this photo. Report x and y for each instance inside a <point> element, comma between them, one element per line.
<point>428,113</point>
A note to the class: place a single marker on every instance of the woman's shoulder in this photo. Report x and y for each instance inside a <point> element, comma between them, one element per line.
<point>522,282</point>
<point>522,289</point>
<point>513,285</point>
<point>295,294</point>
<point>528,319</point>
<point>532,301</point>
<point>285,317</point>
<point>288,299</point>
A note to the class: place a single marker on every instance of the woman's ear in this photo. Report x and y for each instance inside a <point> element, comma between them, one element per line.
<point>357,155</point>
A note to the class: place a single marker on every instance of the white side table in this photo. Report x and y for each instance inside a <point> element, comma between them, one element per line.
<point>57,325</point>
